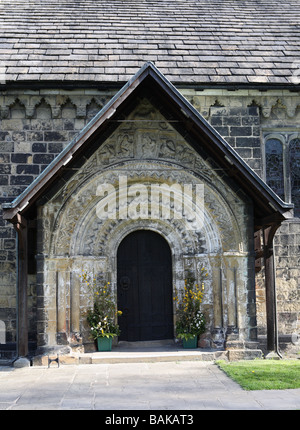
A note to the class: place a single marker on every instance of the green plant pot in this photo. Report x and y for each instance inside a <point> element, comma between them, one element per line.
<point>104,343</point>
<point>190,343</point>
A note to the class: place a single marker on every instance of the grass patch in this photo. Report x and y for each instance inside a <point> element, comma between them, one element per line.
<point>263,374</point>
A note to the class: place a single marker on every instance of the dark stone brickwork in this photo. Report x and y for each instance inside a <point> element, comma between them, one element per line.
<point>241,128</point>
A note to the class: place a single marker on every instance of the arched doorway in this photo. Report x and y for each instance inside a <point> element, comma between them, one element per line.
<point>144,271</point>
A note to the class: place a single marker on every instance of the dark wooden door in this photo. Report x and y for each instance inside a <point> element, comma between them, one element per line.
<point>145,287</point>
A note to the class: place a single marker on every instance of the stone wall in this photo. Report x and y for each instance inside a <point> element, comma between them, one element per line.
<point>37,124</point>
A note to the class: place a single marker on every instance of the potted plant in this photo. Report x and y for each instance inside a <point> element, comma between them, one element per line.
<point>190,320</point>
<point>102,316</point>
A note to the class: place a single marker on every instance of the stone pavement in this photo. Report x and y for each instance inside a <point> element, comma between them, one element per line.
<point>176,385</point>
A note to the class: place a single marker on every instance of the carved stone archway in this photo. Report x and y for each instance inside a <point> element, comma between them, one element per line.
<point>76,239</point>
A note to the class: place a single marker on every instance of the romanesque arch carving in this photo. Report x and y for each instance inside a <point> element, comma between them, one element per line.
<point>77,215</point>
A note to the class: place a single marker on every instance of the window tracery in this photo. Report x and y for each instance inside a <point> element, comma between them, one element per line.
<point>282,166</point>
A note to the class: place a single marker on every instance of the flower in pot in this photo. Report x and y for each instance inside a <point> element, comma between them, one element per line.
<point>102,317</point>
<point>190,320</point>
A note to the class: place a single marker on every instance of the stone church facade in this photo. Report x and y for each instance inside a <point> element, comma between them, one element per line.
<point>62,144</point>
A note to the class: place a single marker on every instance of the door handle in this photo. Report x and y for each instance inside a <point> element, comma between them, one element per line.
<point>125,283</point>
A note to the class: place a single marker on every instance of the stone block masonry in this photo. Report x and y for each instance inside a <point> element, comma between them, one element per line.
<point>241,128</point>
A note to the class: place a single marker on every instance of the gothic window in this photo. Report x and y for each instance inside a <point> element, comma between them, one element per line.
<point>294,156</point>
<point>274,166</point>
<point>282,166</point>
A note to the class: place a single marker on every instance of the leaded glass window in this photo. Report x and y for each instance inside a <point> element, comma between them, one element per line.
<point>274,166</point>
<point>282,166</point>
<point>294,156</point>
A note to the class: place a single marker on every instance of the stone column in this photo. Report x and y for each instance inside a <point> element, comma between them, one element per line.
<point>49,309</point>
<point>232,332</point>
<point>76,338</point>
<point>231,287</point>
<point>62,281</point>
<point>217,279</point>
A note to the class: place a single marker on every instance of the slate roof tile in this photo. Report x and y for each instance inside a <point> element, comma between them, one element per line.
<point>193,41</point>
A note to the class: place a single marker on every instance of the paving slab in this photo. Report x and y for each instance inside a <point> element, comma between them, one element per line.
<point>175,385</point>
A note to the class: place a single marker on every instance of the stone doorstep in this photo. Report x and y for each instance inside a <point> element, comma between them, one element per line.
<point>147,357</point>
<point>127,357</point>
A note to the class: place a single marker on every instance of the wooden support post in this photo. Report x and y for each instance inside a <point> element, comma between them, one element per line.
<point>268,236</point>
<point>22,328</point>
